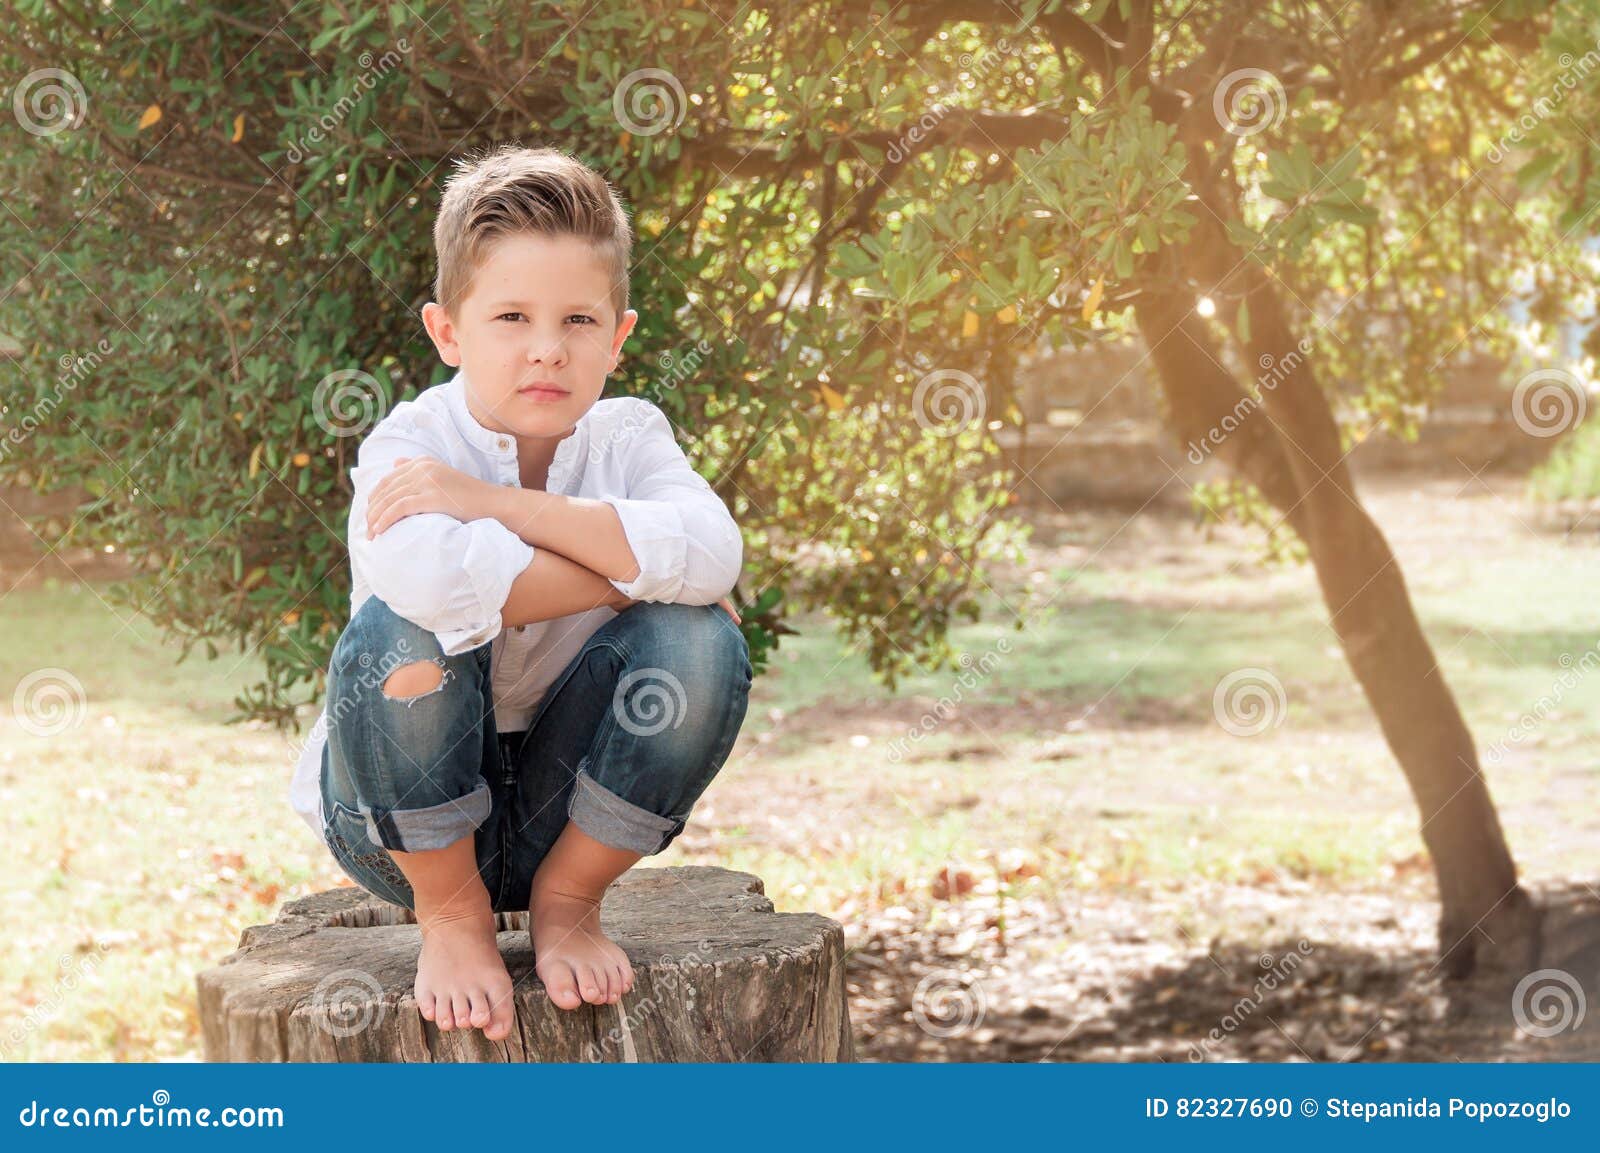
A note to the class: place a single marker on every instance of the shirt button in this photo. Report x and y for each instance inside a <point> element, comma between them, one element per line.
<point>502,444</point>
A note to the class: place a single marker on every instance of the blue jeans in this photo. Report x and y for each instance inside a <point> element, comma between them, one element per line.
<point>623,743</point>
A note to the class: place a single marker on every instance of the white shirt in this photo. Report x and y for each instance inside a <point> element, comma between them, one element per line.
<point>452,578</point>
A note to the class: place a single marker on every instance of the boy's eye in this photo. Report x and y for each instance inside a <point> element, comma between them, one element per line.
<point>575,316</point>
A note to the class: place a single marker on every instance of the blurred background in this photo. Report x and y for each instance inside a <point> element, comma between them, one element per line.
<point>1161,432</point>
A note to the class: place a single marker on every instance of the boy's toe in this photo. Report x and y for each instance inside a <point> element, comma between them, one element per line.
<point>501,1017</point>
<point>461,1009</point>
<point>425,1006</point>
<point>560,983</point>
<point>592,984</point>
<point>480,1008</point>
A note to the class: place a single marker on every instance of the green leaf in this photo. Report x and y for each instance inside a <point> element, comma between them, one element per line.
<point>1282,167</point>
<point>1344,167</point>
<point>327,37</point>
<point>1305,170</point>
<point>1346,213</point>
<point>1531,174</point>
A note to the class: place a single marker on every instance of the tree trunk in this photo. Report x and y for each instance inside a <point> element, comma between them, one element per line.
<point>1288,446</point>
<point>719,977</point>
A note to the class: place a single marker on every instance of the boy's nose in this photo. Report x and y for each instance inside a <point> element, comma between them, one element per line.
<point>548,350</point>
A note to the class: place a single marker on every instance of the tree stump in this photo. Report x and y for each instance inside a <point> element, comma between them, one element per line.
<point>719,977</point>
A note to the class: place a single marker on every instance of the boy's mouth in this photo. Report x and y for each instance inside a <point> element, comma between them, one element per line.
<point>541,390</point>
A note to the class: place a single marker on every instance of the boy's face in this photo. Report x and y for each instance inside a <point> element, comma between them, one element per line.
<point>538,313</point>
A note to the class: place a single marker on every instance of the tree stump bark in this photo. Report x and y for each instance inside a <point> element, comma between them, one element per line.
<point>719,977</point>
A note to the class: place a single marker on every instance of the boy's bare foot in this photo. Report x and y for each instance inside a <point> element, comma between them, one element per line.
<point>574,959</point>
<point>461,980</point>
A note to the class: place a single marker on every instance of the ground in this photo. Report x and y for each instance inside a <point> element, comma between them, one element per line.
<point>1073,859</point>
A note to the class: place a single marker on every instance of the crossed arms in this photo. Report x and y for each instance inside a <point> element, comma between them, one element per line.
<point>464,557</point>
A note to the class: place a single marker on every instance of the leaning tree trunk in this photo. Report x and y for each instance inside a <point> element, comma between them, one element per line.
<point>1287,445</point>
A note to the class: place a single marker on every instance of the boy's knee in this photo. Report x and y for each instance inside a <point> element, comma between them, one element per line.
<point>378,636</point>
<point>718,644</point>
<point>413,680</point>
<point>704,632</point>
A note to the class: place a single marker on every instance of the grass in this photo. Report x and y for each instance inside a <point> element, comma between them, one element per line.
<point>147,835</point>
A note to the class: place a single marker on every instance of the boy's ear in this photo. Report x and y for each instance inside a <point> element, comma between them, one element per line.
<point>624,327</point>
<point>442,331</point>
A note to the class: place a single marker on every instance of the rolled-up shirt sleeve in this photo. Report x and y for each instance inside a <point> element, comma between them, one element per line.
<point>447,576</point>
<point>687,545</point>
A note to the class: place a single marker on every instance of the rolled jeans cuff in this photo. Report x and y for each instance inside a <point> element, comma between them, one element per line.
<point>414,830</point>
<point>616,822</point>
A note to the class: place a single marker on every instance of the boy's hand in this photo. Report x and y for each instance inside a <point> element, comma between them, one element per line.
<point>422,484</point>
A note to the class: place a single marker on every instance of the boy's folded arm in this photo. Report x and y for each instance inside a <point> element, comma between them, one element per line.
<point>553,586</point>
<point>444,575</point>
<point>688,548</point>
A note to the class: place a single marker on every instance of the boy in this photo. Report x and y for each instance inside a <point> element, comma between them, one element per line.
<point>541,673</point>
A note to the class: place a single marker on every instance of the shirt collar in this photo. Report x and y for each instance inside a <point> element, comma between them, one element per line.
<point>472,431</point>
<point>489,441</point>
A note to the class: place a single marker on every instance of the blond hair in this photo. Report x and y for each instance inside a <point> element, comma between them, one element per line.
<point>511,190</point>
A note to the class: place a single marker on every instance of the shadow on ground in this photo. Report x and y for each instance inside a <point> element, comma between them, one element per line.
<point>1110,987</point>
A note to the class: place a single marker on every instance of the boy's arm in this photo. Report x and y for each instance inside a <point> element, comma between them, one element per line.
<point>587,531</point>
<point>553,586</point>
<point>446,575</point>
<point>670,539</point>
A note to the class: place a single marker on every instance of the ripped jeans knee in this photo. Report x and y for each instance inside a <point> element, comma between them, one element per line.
<point>412,682</point>
<point>407,726</point>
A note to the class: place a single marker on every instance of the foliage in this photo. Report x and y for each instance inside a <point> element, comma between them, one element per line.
<point>854,219</point>
<point>1572,471</point>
